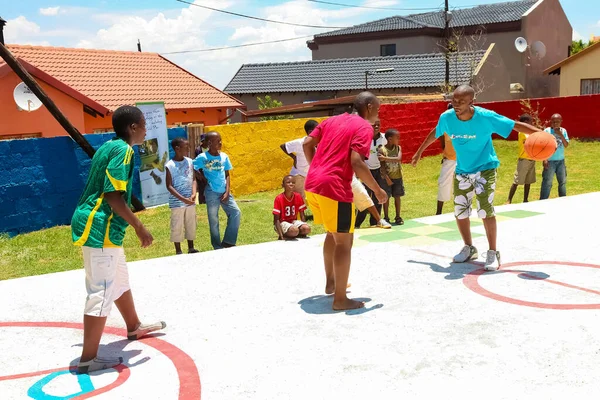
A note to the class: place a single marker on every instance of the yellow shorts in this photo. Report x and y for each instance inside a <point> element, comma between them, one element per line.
<point>336,216</point>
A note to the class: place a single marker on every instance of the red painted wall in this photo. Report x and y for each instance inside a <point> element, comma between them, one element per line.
<point>416,120</point>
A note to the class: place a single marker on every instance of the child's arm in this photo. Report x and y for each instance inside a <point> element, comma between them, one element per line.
<point>302,216</point>
<point>171,189</point>
<point>525,128</point>
<point>225,196</point>
<point>310,148</point>
<point>278,227</point>
<point>362,172</point>
<point>194,190</point>
<point>291,155</point>
<point>116,201</point>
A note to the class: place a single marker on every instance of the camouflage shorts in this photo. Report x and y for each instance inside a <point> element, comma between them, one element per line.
<point>480,186</point>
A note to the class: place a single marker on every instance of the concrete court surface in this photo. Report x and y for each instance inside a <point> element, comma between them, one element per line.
<point>252,322</point>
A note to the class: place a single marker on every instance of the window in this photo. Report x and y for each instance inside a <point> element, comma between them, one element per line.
<point>388,50</point>
<point>590,86</point>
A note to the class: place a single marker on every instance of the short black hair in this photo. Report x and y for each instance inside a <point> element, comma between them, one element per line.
<point>391,132</point>
<point>450,106</point>
<point>525,118</point>
<point>465,90</point>
<point>123,117</point>
<point>310,126</point>
<point>362,101</point>
<point>285,177</point>
<point>178,141</point>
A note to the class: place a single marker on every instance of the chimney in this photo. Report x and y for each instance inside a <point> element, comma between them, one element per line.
<point>2,23</point>
<point>139,46</point>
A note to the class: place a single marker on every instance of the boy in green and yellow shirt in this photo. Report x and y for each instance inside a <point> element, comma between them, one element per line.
<point>525,173</point>
<point>98,226</point>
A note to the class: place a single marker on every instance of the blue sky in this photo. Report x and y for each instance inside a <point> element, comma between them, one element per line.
<point>167,25</point>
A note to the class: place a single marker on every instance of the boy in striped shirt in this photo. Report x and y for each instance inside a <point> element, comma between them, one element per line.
<point>98,226</point>
<point>182,196</point>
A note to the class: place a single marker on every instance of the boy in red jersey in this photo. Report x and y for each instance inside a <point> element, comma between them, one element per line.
<point>344,143</point>
<point>288,205</point>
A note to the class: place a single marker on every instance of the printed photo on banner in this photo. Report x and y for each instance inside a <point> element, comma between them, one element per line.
<point>154,153</point>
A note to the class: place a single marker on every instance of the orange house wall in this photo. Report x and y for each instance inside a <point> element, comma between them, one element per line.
<point>15,122</point>
<point>194,115</point>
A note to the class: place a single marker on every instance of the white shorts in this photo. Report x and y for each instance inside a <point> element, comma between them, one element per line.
<point>446,180</point>
<point>106,278</point>
<point>362,200</point>
<point>183,217</point>
<point>285,226</point>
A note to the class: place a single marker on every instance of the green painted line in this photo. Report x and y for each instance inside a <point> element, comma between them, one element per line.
<point>519,214</point>
<point>388,236</point>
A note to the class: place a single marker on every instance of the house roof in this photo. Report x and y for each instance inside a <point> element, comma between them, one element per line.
<point>555,69</point>
<point>479,15</point>
<point>113,78</point>
<point>410,71</point>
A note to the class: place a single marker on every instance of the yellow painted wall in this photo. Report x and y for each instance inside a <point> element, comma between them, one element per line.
<point>253,147</point>
<point>584,67</point>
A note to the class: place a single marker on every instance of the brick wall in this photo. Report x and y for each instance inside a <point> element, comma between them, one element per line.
<point>42,179</point>
<point>415,120</point>
<point>253,147</point>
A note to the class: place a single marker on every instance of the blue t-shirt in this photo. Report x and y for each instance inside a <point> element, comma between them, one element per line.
<point>559,154</point>
<point>214,168</point>
<point>472,139</point>
<point>182,179</point>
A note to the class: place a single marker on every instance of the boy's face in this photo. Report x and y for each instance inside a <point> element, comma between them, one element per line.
<point>289,184</point>
<point>394,139</point>
<point>138,132</point>
<point>376,129</point>
<point>215,143</point>
<point>462,103</point>
<point>556,121</point>
<point>183,149</point>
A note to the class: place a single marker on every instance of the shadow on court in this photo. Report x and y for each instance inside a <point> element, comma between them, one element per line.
<point>321,304</point>
<point>460,270</point>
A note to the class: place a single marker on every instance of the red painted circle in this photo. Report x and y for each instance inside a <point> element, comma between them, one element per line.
<point>471,281</point>
<point>189,380</point>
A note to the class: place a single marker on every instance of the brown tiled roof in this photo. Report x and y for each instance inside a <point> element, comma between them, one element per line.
<point>114,78</point>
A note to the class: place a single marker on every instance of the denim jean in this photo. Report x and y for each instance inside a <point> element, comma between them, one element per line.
<point>559,168</point>
<point>213,202</point>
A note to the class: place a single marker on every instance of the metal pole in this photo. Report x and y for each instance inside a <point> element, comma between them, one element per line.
<point>12,62</point>
<point>447,39</point>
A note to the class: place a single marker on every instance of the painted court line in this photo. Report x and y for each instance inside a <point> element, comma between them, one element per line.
<point>189,379</point>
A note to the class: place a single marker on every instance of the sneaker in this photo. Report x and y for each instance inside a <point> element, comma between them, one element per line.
<point>383,224</point>
<point>144,329</point>
<point>466,254</point>
<point>492,260</point>
<point>98,364</point>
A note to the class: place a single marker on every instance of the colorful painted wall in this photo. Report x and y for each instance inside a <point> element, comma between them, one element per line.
<point>253,147</point>
<point>41,180</point>
<point>416,120</point>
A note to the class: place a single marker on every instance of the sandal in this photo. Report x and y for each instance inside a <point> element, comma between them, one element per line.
<point>399,221</point>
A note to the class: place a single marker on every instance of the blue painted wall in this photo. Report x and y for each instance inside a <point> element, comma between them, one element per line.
<point>42,179</point>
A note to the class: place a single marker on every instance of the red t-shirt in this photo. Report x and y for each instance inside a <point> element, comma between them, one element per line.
<point>330,172</point>
<point>288,210</point>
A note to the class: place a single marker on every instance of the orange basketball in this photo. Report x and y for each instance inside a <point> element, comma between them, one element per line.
<point>540,146</point>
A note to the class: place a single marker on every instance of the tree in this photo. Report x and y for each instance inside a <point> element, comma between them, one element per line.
<point>579,45</point>
<point>459,47</point>
<point>535,112</point>
<point>268,102</point>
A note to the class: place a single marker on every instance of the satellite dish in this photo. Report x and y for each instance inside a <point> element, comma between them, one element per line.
<point>538,49</point>
<point>521,44</point>
<point>26,100</point>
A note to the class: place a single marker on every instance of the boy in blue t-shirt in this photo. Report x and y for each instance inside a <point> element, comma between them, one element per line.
<point>555,165</point>
<point>470,128</point>
<point>214,167</point>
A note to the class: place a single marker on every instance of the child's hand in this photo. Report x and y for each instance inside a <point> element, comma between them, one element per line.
<point>280,238</point>
<point>189,201</point>
<point>225,197</point>
<point>415,159</point>
<point>545,163</point>
<point>144,235</point>
<point>389,181</point>
<point>381,157</point>
<point>382,196</point>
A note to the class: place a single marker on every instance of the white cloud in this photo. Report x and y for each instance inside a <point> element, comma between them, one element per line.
<point>50,11</point>
<point>577,36</point>
<point>22,31</point>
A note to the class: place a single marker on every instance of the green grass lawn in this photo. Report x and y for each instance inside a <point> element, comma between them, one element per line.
<point>50,250</point>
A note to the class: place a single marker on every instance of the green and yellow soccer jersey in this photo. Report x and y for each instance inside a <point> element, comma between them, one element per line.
<point>94,224</point>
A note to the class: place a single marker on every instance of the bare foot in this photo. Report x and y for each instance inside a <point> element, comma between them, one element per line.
<point>330,288</point>
<point>347,304</point>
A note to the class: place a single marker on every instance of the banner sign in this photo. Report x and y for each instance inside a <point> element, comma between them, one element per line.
<point>154,153</point>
